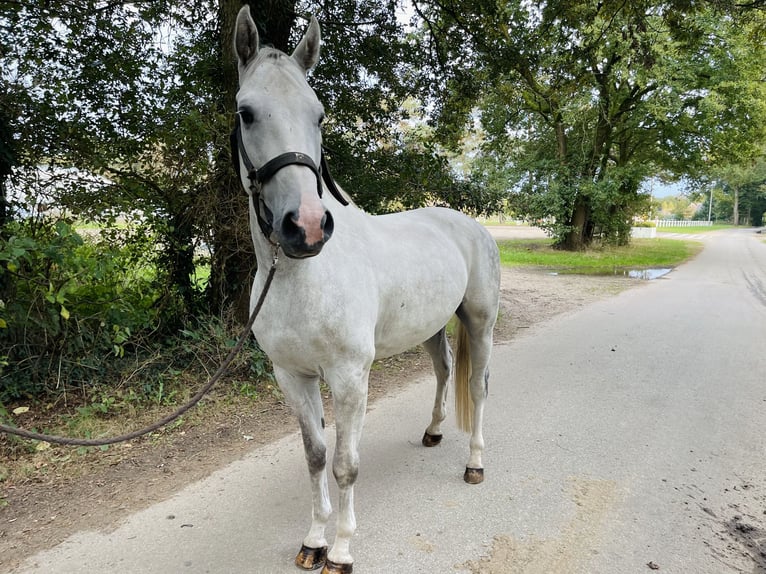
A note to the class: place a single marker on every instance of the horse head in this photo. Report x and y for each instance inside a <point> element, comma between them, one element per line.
<point>280,141</point>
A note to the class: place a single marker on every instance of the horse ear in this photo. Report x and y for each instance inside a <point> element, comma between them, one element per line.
<point>245,37</point>
<point>307,52</point>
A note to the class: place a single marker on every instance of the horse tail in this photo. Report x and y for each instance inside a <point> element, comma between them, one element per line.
<point>463,400</point>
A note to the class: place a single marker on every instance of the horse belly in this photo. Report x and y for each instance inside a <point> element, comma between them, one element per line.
<point>408,321</point>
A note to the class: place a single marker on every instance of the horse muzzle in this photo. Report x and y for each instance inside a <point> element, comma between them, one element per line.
<point>302,233</point>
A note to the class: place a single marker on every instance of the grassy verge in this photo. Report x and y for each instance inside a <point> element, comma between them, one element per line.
<point>641,253</point>
<point>693,230</point>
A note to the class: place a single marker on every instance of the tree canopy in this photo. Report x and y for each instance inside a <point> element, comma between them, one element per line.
<point>580,101</point>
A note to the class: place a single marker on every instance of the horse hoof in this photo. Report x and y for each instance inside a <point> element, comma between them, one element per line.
<point>431,439</point>
<point>473,475</point>
<point>331,567</point>
<point>311,558</point>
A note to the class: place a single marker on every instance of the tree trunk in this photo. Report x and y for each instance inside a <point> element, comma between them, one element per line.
<point>275,20</point>
<point>179,259</point>
<point>233,262</point>
<point>735,214</point>
<point>581,232</point>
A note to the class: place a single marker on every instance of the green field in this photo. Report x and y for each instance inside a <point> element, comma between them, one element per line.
<point>692,230</point>
<point>641,253</point>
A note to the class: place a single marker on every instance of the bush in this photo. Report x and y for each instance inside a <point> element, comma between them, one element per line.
<point>68,307</point>
<point>88,314</point>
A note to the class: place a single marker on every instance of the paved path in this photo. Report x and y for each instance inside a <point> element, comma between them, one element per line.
<point>624,437</point>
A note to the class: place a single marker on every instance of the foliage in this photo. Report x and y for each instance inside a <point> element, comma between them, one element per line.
<point>412,175</point>
<point>91,92</point>
<point>366,80</point>
<point>581,101</point>
<point>77,324</point>
<point>738,190</point>
<point>73,305</point>
<point>679,207</point>
<point>114,110</point>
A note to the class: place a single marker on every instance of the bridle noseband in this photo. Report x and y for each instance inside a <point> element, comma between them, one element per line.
<point>259,177</point>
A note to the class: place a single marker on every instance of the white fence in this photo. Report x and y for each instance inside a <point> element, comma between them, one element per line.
<point>681,223</point>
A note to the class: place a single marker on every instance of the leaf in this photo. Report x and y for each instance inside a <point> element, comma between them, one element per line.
<point>20,410</point>
<point>42,446</point>
<point>3,324</point>
<point>64,313</point>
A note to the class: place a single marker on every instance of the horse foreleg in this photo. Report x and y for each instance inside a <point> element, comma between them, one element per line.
<point>349,403</point>
<point>441,356</point>
<point>303,395</point>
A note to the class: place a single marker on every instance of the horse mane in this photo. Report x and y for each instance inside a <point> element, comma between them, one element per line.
<point>343,192</point>
<point>267,52</point>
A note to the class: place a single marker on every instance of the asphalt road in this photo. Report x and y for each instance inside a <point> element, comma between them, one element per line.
<point>627,437</point>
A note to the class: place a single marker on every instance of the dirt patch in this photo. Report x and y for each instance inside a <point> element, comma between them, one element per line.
<point>735,533</point>
<point>592,499</point>
<point>64,491</point>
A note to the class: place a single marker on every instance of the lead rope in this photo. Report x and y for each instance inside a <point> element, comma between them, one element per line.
<point>174,415</point>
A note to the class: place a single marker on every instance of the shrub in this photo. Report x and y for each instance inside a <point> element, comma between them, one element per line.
<point>68,306</point>
<point>88,313</point>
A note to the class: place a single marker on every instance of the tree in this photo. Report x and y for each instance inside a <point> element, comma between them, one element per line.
<point>92,94</point>
<point>136,102</point>
<point>582,100</point>
<point>741,192</point>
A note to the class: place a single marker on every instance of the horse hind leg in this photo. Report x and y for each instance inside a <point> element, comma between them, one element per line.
<point>471,382</point>
<point>441,356</point>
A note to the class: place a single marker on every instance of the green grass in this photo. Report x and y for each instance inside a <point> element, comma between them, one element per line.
<point>641,253</point>
<point>690,230</point>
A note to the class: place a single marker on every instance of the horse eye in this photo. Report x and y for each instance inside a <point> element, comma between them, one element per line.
<point>247,115</point>
<point>321,120</point>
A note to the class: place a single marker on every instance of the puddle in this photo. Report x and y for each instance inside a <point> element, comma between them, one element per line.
<point>647,274</point>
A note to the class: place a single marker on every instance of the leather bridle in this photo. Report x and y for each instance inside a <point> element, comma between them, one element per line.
<point>258,177</point>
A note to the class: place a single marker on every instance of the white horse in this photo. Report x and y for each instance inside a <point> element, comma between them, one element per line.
<point>354,287</point>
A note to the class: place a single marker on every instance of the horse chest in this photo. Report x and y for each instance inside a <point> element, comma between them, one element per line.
<point>306,327</point>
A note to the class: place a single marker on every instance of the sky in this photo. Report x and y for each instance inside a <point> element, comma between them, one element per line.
<point>660,189</point>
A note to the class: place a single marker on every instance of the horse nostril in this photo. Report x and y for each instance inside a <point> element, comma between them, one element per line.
<point>290,228</point>
<point>328,225</point>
